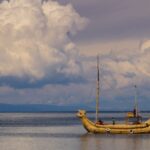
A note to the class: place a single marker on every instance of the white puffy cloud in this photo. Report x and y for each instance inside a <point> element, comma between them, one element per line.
<point>35,39</point>
<point>120,67</point>
<point>145,45</point>
<point>35,43</point>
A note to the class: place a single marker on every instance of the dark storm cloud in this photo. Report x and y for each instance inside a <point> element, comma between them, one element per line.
<point>25,82</point>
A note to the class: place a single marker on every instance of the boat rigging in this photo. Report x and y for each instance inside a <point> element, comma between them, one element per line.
<point>135,126</point>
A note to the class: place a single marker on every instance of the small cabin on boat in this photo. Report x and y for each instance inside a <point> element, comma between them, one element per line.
<point>133,118</point>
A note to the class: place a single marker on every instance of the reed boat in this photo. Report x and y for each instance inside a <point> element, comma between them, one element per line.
<point>96,127</point>
<point>133,120</point>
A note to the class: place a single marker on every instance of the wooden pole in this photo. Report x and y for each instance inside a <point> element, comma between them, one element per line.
<point>97,91</point>
<point>135,102</point>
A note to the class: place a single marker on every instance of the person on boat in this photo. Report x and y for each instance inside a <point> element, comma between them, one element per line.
<point>134,112</point>
<point>99,122</point>
<point>113,121</point>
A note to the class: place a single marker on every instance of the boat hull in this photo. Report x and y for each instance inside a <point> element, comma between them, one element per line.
<point>91,127</point>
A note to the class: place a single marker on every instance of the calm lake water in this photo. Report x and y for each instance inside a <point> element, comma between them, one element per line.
<point>62,131</point>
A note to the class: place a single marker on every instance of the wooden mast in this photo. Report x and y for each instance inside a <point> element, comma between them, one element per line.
<point>97,91</point>
<point>135,102</point>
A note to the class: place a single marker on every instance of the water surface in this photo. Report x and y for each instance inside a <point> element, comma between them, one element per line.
<point>62,131</point>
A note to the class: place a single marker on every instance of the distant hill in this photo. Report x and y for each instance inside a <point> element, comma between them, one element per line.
<point>38,108</point>
<point>52,108</point>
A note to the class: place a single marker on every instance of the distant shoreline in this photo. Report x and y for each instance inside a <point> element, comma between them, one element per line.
<point>49,108</point>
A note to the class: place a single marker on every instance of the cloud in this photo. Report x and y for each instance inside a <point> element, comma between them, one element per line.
<point>36,49</point>
<point>145,45</point>
<point>35,42</point>
<point>57,94</point>
<point>121,68</point>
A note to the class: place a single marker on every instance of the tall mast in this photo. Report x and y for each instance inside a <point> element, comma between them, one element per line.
<point>135,102</point>
<point>97,91</point>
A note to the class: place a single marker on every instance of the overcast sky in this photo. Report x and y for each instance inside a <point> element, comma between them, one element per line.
<point>115,19</point>
<point>48,51</point>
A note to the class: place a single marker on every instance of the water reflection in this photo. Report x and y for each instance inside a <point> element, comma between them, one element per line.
<point>60,131</point>
<point>115,142</point>
<point>90,141</point>
<point>41,135</point>
<point>71,138</point>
